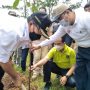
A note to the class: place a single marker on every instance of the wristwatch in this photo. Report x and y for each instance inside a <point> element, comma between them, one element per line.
<point>67,76</point>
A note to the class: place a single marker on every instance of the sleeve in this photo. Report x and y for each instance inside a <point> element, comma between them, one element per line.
<point>50,53</point>
<point>7,45</point>
<point>25,37</point>
<point>72,57</point>
<point>59,33</point>
<point>87,22</point>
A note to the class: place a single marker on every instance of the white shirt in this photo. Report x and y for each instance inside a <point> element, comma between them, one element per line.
<point>79,31</point>
<point>13,33</point>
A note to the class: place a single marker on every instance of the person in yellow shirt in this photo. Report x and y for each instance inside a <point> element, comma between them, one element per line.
<point>63,64</point>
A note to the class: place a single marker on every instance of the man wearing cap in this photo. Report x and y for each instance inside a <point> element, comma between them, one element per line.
<point>14,32</point>
<point>76,24</point>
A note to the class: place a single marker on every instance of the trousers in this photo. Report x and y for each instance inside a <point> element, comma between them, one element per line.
<point>1,75</point>
<point>82,71</point>
<point>50,66</point>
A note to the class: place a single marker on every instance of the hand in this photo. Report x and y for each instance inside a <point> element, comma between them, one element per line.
<point>33,67</point>
<point>63,80</point>
<point>17,82</point>
<point>35,47</point>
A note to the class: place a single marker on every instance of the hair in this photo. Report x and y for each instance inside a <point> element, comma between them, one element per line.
<point>29,19</point>
<point>62,13</point>
<point>43,8</point>
<point>69,9</point>
<point>87,5</point>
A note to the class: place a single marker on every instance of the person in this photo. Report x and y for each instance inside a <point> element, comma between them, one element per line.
<point>24,53</point>
<point>14,32</point>
<point>40,53</point>
<point>16,57</point>
<point>67,39</point>
<point>79,29</point>
<point>63,64</point>
<point>42,9</point>
<point>87,7</point>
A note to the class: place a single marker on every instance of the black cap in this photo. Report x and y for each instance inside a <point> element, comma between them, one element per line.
<point>42,20</point>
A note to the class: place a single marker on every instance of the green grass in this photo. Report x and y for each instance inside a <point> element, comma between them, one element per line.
<point>39,81</point>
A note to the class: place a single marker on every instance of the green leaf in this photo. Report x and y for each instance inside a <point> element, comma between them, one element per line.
<point>28,4</point>
<point>34,8</point>
<point>15,4</point>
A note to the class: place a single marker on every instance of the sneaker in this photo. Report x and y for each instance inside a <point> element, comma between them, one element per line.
<point>47,86</point>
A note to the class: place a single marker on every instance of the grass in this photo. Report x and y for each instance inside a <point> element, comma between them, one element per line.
<point>39,81</point>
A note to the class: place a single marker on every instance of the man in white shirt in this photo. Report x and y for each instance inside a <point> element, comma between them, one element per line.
<point>14,32</point>
<point>77,25</point>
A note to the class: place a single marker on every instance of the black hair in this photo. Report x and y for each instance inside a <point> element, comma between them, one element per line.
<point>43,8</point>
<point>29,19</point>
<point>87,5</point>
<point>42,20</point>
<point>69,9</point>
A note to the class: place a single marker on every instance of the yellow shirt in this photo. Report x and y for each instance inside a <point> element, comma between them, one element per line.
<point>64,59</point>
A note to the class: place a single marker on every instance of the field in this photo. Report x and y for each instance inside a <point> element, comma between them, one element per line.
<point>37,84</point>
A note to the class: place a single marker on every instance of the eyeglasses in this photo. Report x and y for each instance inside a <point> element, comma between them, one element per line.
<point>63,14</point>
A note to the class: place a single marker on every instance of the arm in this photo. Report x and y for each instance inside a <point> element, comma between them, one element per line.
<point>8,68</point>
<point>41,62</point>
<point>59,33</point>
<point>72,62</point>
<point>63,79</point>
<point>71,70</point>
<point>44,60</point>
<point>87,22</point>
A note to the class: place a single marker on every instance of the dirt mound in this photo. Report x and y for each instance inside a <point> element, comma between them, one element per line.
<point>8,84</point>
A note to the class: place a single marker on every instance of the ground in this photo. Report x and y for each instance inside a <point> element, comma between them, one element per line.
<point>9,85</point>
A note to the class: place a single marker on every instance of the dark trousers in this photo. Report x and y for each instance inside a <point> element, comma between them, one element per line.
<point>52,67</point>
<point>24,58</point>
<point>67,39</point>
<point>1,75</point>
<point>82,71</point>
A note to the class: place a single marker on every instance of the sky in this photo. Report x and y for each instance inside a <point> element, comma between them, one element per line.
<point>10,2</point>
<point>21,4</point>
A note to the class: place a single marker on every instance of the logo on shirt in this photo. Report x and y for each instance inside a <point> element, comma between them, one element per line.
<point>67,56</point>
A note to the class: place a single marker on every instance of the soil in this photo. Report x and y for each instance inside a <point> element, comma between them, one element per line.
<point>8,84</point>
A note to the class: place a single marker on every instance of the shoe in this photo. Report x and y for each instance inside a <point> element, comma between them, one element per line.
<point>47,86</point>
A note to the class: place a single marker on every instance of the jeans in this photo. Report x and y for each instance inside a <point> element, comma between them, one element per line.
<point>52,67</point>
<point>1,75</point>
<point>82,71</point>
<point>24,58</point>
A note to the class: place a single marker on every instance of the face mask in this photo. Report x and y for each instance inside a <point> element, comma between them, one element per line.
<point>64,23</point>
<point>59,47</point>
